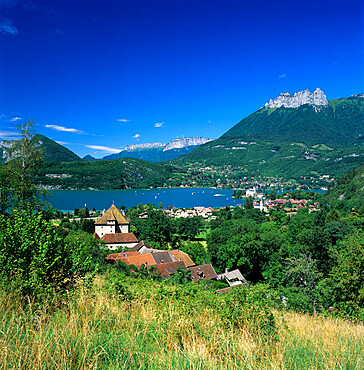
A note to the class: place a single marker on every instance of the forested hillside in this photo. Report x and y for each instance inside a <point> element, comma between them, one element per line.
<point>112,174</point>
<point>291,142</point>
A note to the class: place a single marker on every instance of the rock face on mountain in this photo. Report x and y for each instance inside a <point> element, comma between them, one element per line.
<point>157,152</point>
<point>186,141</point>
<point>299,98</point>
<point>145,146</point>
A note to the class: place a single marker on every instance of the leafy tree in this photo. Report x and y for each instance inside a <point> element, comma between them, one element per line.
<point>88,226</point>
<point>347,276</point>
<point>302,273</point>
<point>189,227</point>
<point>83,213</point>
<point>332,216</point>
<point>34,259</point>
<point>157,229</point>
<point>248,204</point>
<point>236,244</point>
<point>88,253</point>
<point>272,195</point>
<point>197,252</point>
<point>17,179</point>
<point>181,277</point>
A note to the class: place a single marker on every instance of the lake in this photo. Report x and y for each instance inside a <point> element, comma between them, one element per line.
<point>68,200</point>
<point>179,197</point>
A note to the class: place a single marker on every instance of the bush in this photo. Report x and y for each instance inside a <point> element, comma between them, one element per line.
<point>34,259</point>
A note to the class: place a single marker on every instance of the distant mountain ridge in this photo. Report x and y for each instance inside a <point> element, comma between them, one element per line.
<point>53,152</point>
<point>292,141</point>
<point>157,152</point>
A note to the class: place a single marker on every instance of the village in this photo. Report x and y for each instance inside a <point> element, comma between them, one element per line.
<point>113,228</point>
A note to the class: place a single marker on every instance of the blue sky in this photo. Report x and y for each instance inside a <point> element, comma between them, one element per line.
<point>96,74</point>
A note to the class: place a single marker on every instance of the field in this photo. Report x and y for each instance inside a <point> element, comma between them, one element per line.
<point>149,325</point>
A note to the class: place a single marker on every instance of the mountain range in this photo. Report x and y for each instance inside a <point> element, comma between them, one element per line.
<point>292,136</point>
<point>157,152</point>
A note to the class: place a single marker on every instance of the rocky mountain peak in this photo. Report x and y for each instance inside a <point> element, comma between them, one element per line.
<point>299,98</point>
<point>186,141</point>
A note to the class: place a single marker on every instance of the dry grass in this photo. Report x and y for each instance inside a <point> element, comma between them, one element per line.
<point>100,331</point>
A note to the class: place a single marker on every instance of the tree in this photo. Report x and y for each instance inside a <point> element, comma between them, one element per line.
<point>157,229</point>
<point>302,273</point>
<point>24,159</point>
<point>189,227</point>
<point>348,273</point>
<point>272,195</point>
<point>248,204</point>
<point>35,259</point>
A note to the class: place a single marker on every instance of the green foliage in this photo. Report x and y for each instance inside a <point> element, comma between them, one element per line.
<point>18,174</point>
<point>88,253</point>
<point>248,204</point>
<point>105,174</point>
<point>235,244</point>
<point>157,230</point>
<point>34,260</point>
<point>348,272</point>
<point>197,252</point>
<point>251,308</point>
<point>189,227</point>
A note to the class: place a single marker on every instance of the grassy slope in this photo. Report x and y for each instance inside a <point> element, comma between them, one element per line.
<point>154,330</point>
<point>112,174</point>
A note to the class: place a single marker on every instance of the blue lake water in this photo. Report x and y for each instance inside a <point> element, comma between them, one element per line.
<point>180,197</point>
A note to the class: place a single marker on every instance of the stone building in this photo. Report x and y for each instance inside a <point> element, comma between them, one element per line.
<point>113,227</point>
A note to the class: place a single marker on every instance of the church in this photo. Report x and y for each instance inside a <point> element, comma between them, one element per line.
<point>113,227</point>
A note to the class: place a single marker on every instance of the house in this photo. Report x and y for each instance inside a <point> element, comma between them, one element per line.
<point>203,272</point>
<point>113,227</point>
<point>163,262</point>
<point>182,256</point>
<point>251,192</point>
<point>233,278</point>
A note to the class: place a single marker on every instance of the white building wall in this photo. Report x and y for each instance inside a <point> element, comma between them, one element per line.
<point>125,245</point>
<point>123,229</point>
<point>101,230</point>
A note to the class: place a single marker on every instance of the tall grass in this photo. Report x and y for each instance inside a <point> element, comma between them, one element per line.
<point>147,328</point>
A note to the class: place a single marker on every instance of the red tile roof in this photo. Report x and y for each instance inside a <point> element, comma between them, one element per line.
<point>203,272</point>
<point>140,259</point>
<point>119,238</point>
<point>169,268</point>
<point>182,256</point>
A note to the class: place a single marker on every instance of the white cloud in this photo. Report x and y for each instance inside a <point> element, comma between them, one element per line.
<point>123,120</point>
<point>64,129</point>
<point>209,121</point>
<point>159,124</point>
<point>136,136</point>
<point>106,149</point>
<point>8,134</point>
<point>15,119</point>
<point>61,142</point>
<point>283,75</point>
